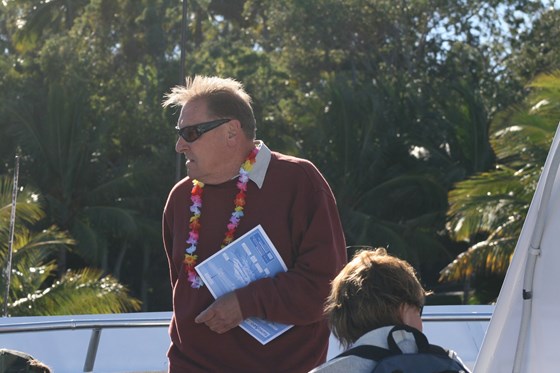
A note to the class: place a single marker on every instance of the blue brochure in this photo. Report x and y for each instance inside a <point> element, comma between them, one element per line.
<point>248,258</point>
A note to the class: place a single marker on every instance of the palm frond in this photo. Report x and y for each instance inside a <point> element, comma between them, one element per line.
<point>494,204</point>
<point>480,203</point>
<point>28,209</point>
<point>78,292</point>
<point>34,288</point>
<point>490,256</point>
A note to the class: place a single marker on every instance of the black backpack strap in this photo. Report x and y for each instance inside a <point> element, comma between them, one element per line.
<point>377,353</point>
<point>423,345</point>
<point>374,353</point>
<point>438,350</point>
<point>421,340</point>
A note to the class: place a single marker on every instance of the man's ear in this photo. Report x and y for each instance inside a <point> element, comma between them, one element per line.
<point>234,128</point>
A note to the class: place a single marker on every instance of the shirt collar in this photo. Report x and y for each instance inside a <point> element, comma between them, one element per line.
<point>262,161</point>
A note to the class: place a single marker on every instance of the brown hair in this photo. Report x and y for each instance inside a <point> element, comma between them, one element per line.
<point>224,98</point>
<point>368,293</point>
<point>17,361</point>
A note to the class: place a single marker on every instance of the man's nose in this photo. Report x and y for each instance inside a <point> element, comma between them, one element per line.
<point>181,145</point>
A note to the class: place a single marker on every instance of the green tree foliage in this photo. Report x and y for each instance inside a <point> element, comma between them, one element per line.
<point>403,115</point>
<point>88,120</point>
<point>396,108</point>
<point>392,100</point>
<point>537,49</point>
<point>34,287</point>
<point>62,159</point>
<point>388,193</point>
<point>492,205</point>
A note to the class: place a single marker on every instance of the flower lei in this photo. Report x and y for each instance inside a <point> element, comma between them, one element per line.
<point>194,223</point>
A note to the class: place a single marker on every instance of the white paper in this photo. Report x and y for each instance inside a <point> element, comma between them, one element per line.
<point>248,258</point>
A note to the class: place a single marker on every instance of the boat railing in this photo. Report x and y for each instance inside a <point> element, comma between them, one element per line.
<point>96,326</point>
<point>161,320</point>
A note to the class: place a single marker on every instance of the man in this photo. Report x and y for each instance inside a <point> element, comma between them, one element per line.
<point>235,183</point>
<point>375,306</point>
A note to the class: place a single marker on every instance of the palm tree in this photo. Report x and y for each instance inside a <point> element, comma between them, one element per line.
<point>34,289</point>
<point>488,209</point>
<point>84,138</point>
<point>388,195</point>
<point>64,160</point>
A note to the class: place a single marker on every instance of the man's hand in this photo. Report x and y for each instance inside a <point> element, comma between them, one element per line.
<point>222,315</point>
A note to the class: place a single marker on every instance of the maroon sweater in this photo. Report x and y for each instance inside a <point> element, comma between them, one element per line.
<point>297,210</point>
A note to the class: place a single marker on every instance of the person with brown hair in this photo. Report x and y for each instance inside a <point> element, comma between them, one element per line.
<point>377,300</point>
<point>13,361</point>
<point>235,183</point>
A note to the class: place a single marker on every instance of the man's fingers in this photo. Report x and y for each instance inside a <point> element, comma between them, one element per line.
<point>204,316</point>
<point>222,315</point>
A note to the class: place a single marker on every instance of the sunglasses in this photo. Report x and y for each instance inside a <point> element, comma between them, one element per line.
<point>192,133</point>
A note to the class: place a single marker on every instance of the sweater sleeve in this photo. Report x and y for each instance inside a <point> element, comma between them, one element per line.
<point>298,295</point>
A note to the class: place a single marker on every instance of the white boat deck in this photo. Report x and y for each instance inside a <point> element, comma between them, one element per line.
<point>138,342</point>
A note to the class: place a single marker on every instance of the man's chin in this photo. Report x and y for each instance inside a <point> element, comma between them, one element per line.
<point>191,172</point>
<point>190,167</point>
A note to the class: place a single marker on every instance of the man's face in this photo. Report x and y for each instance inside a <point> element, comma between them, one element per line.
<point>205,156</point>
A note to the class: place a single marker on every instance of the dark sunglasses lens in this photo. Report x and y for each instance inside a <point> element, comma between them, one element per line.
<point>189,133</point>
